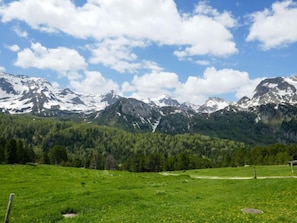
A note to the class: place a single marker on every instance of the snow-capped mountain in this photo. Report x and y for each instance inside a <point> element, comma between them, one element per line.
<point>279,90</point>
<point>23,94</point>
<point>274,101</point>
<point>163,101</point>
<point>213,104</point>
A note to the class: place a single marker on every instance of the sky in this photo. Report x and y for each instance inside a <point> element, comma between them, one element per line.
<point>188,49</point>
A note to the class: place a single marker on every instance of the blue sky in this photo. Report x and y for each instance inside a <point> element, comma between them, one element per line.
<point>188,49</point>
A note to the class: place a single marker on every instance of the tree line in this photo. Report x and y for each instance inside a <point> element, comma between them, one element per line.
<point>13,151</point>
<point>67,143</point>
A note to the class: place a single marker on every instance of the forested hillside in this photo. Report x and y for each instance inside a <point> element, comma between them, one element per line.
<point>33,139</point>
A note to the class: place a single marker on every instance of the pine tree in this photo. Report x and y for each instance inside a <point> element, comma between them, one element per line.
<point>21,156</point>
<point>10,152</point>
<point>2,149</point>
<point>57,154</point>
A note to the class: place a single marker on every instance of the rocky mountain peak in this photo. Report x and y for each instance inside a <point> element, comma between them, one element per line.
<point>278,90</point>
<point>163,101</point>
<point>23,94</point>
<point>110,97</point>
<point>213,104</point>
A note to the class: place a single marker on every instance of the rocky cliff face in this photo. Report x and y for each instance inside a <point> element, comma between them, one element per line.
<point>279,90</point>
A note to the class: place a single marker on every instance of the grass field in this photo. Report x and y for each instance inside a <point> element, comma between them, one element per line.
<point>43,193</point>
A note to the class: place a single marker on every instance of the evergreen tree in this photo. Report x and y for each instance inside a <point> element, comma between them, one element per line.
<point>57,154</point>
<point>21,156</point>
<point>10,152</point>
<point>2,149</point>
<point>110,163</point>
<point>29,154</point>
<point>154,162</point>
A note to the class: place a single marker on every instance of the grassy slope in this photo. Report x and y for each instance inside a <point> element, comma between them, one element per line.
<point>43,192</point>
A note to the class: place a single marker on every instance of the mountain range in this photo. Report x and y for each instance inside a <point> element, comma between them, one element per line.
<point>273,107</point>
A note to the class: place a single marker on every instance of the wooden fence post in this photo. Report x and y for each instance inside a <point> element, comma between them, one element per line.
<point>292,167</point>
<point>255,173</point>
<point>6,220</point>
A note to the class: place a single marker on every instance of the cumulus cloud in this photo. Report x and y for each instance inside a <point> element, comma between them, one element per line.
<point>205,31</point>
<point>2,69</point>
<point>117,54</point>
<point>213,83</point>
<point>13,47</point>
<point>62,60</point>
<point>195,89</point>
<point>94,83</point>
<point>152,84</point>
<point>275,27</point>
<point>248,88</point>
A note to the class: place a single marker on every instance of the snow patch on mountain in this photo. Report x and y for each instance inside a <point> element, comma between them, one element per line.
<point>23,94</point>
<point>162,101</point>
<point>213,104</point>
<point>279,90</point>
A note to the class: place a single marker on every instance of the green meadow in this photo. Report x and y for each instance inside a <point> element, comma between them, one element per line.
<point>44,193</point>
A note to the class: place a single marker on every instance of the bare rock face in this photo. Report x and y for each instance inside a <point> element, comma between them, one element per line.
<point>279,90</point>
<point>136,108</point>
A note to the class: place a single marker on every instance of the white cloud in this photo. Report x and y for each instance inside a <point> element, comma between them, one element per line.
<point>19,32</point>
<point>195,89</point>
<point>151,65</point>
<point>94,83</point>
<point>213,83</point>
<point>248,88</point>
<point>147,20</point>
<point>62,60</point>
<point>127,87</point>
<point>203,62</point>
<point>275,27</point>
<point>117,54</point>
<point>152,84</point>
<point>207,32</point>
<point>55,84</point>
<point>2,69</point>
<point>13,47</point>
<point>225,18</point>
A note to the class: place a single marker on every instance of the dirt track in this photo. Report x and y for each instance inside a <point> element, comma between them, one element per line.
<point>228,178</point>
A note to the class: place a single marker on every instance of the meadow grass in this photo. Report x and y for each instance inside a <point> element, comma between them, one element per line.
<point>43,193</point>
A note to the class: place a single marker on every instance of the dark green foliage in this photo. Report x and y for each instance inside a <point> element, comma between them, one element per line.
<point>10,152</point>
<point>57,154</point>
<point>21,156</point>
<point>2,149</point>
<point>31,139</point>
<point>29,154</point>
<point>13,151</point>
<point>239,126</point>
<point>289,128</point>
<point>266,155</point>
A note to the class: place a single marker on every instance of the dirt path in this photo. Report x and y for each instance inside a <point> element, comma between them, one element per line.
<point>227,178</point>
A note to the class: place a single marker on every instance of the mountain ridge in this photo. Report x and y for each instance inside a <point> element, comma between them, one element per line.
<point>20,92</point>
<point>271,113</point>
